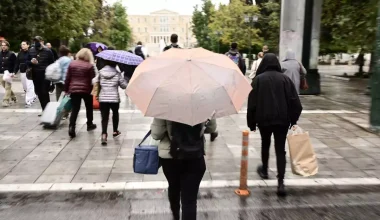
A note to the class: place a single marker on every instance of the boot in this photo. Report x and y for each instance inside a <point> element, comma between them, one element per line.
<point>263,173</point>
<point>213,136</point>
<point>281,189</point>
<point>91,127</point>
<point>104,139</point>
<point>72,133</point>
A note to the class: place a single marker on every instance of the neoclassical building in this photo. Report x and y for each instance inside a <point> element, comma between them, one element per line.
<point>157,26</point>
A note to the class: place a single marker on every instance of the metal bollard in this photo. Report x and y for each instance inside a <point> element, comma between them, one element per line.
<point>243,189</point>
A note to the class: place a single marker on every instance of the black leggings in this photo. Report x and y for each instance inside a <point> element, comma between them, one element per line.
<point>105,108</point>
<point>280,133</point>
<point>184,178</point>
<point>76,99</point>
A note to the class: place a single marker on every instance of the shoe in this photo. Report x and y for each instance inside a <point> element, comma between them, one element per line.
<point>40,114</point>
<point>281,189</point>
<point>28,105</point>
<point>6,104</point>
<point>14,99</point>
<point>34,100</point>
<point>104,139</point>
<point>262,173</point>
<point>91,127</point>
<point>72,133</point>
<point>116,134</point>
<point>213,136</point>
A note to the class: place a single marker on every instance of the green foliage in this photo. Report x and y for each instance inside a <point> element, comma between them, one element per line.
<point>269,23</point>
<point>230,21</point>
<point>348,25</point>
<point>120,32</point>
<point>202,17</point>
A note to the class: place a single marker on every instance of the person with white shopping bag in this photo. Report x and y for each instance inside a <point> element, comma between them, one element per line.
<point>22,60</point>
<point>273,106</point>
<point>7,65</point>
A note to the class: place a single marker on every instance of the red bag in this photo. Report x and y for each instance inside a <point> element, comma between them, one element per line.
<point>95,102</point>
<point>303,84</point>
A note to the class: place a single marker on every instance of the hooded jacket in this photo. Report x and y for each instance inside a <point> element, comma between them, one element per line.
<point>293,69</point>
<point>110,79</point>
<point>273,99</point>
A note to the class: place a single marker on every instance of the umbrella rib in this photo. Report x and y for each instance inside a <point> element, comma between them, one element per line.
<point>201,61</point>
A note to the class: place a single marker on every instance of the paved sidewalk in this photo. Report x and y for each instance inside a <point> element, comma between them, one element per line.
<point>30,154</point>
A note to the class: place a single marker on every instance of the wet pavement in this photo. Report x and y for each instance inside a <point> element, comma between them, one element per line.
<point>338,203</point>
<point>31,154</point>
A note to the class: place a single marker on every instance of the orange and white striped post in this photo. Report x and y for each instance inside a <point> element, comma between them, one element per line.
<point>243,189</point>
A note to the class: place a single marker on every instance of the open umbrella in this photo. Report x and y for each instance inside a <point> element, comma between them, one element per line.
<point>120,56</point>
<point>93,46</point>
<point>188,86</point>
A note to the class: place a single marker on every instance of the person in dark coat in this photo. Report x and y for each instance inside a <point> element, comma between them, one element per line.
<point>237,58</point>
<point>174,42</point>
<point>42,57</point>
<point>78,84</point>
<point>55,54</point>
<point>273,106</point>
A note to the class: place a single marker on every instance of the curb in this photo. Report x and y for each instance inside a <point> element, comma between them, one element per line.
<point>337,77</point>
<point>126,186</point>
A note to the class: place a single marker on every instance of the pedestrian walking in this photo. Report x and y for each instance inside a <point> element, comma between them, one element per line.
<point>236,57</point>
<point>78,84</point>
<point>183,171</point>
<point>23,58</point>
<point>293,69</point>
<point>109,80</point>
<point>140,50</point>
<point>265,49</point>
<point>273,106</point>
<point>64,62</point>
<point>7,66</point>
<point>174,42</point>
<point>55,54</point>
<point>42,57</point>
<point>256,65</point>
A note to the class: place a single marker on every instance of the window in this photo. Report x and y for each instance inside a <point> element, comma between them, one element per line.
<point>183,29</point>
<point>146,29</point>
<point>145,19</point>
<point>138,20</point>
<point>173,29</point>
<point>138,29</point>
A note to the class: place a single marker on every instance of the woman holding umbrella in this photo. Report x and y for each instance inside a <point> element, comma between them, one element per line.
<point>160,88</point>
<point>109,80</point>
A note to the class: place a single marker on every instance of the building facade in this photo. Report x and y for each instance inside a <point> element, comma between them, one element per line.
<point>157,27</point>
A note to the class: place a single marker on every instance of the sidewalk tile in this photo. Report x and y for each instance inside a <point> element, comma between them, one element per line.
<point>46,154</point>
<point>63,168</point>
<point>90,178</point>
<point>103,154</point>
<point>96,167</point>
<point>14,179</point>
<point>13,154</point>
<point>55,178</point>
<point>125,177</point>
<point>364,163</point>
<point>36,167</point>
<point>69,155</point>
<point>123,166</point>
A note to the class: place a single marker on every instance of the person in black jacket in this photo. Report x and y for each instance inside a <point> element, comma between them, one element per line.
<point>23,58</point>
<point>7,63</point>
<point>237,58</point>
<point>174,41</point>
<point>42,57</point>
<point>273,106</point>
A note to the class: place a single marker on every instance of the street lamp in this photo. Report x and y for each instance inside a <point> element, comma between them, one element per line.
<point>250,20</point>
<point>218,34</point>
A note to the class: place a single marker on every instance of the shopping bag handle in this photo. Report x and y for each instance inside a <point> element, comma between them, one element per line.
<point>296,130</point>
<point>146,136</point>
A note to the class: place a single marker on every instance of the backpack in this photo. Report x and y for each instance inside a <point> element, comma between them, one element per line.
<point>187,141</point>
<point>235,58</point>
<point>53,72</point>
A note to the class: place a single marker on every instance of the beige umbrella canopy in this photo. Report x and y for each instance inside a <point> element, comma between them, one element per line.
<point>188,86</point>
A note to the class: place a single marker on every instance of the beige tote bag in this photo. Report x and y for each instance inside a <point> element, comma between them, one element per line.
<point>302,156</point>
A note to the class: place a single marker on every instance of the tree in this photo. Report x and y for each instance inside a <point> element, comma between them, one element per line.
<point>202,18</point>
<point>119,29</point>
<point>230,21</point>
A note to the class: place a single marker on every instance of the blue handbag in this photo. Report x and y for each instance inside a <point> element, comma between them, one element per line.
<point>145,158</point>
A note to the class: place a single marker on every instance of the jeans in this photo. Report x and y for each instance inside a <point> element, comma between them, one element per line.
<point>41,88</point>
<point>76,99</point>
<point>59,87</point>
<point>280,133</point>
<point>184,178</point>
<point>105,108</point>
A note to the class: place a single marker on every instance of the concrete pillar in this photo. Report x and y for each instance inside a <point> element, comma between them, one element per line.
<point>292,26</point>
<point>375,83</point>
<point>312,29</point>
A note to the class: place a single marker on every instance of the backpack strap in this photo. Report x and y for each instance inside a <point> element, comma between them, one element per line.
<point>146,136</point>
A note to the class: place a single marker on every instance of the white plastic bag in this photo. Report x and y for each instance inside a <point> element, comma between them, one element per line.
<point>7,77</point>
<point>53,72</point>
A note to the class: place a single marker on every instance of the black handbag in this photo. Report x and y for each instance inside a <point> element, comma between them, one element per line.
<point>29,73</point>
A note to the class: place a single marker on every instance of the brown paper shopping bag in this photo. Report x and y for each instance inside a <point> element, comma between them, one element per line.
<point>302,156</point>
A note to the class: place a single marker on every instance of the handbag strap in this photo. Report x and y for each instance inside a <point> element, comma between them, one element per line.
<point>146,136</point>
